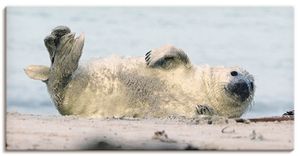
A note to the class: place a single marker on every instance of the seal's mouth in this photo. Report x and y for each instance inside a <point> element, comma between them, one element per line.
<point>240,89</point>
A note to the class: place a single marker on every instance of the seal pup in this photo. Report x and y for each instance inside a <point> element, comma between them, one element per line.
<point>163,83</point>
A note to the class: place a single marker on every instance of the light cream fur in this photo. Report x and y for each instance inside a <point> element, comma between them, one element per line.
<point>119,87</point>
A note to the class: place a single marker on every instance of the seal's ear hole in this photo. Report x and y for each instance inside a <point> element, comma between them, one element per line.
<point>234,73</point>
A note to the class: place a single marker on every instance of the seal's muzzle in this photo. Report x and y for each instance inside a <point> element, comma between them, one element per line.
<point>240,88</point>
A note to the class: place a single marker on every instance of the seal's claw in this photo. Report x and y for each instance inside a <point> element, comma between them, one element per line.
<point>204,110</point>
<point>147,57</point>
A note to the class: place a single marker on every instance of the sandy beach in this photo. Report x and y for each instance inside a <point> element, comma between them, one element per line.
<point>34,132</point>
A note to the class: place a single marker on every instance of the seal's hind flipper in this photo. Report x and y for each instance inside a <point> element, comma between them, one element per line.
<point>166,57</point>
<point>68,53</point>
<point>51,41</point>
<point>37,72</point>
<point>64,50</point>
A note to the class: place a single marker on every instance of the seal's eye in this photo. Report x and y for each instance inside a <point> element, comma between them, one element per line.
<point>234,73</point>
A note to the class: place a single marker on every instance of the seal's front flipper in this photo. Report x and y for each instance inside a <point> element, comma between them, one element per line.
<point>204,110</point>
<point>167,57</point>
<point>37,72</point>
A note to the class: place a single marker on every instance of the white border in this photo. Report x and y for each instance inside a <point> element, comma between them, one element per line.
<point>80,3</point>
<point>151,3</point>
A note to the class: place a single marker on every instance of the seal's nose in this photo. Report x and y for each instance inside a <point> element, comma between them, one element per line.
<point>240,88</point>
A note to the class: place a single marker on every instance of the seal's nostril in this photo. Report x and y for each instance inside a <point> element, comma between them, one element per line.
<point>234,73</point>
<point>251,85</point>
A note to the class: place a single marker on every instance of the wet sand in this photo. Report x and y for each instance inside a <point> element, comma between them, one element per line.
<point>34,132</point>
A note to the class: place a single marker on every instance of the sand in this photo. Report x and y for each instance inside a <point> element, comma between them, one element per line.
<point>35,132</point>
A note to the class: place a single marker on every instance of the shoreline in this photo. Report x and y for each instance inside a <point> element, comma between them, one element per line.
<point>37,132</point>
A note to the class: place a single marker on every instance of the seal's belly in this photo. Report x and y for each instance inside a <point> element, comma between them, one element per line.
<point>135,92</point>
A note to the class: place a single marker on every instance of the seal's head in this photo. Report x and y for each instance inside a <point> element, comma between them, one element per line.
<point>230,90</point>
<point>241,85</point>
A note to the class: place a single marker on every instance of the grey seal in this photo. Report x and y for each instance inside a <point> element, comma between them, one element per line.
<point>163,83</point>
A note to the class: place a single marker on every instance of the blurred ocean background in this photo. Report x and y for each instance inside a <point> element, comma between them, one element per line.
<point>259,39</point>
